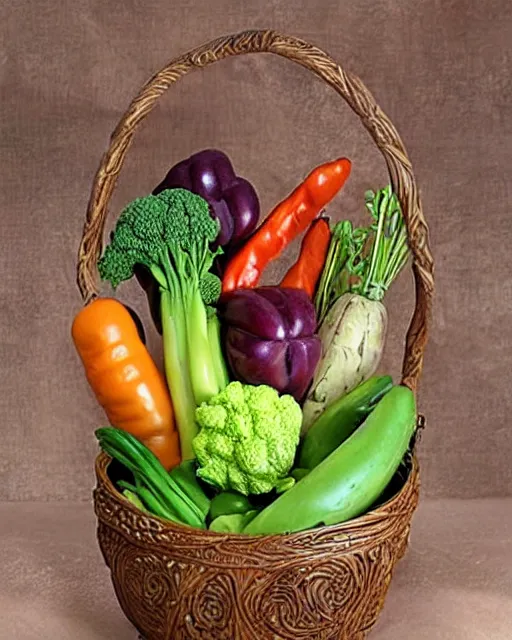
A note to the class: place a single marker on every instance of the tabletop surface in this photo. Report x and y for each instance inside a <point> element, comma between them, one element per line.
<point>455,583</point>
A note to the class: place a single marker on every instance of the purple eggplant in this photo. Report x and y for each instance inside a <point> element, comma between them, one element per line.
<point>270,337</point>
<point>232,199</point>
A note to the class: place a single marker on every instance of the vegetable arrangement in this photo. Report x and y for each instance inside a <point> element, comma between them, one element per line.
<point>288,219</point>
<point>270,416</point>
<point>170,234</point>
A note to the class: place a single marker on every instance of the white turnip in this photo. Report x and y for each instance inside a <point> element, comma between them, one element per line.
<point>361,264</point>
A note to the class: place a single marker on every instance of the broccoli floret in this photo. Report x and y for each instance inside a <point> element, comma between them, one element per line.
<point>247,439</point>
<point>171,234</point>
<point>210,288</point>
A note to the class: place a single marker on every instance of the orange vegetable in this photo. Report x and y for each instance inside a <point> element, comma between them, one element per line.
<point>124,377</point>
<point>305,273</point>
<point>286,221</point>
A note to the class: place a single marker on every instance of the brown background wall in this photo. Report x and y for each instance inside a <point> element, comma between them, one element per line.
<point>441,71</point>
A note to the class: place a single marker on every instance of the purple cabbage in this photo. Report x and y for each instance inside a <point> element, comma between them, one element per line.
<point>270,337</point>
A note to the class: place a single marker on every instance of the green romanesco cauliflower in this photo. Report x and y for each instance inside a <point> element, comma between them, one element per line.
<point>247,439</point>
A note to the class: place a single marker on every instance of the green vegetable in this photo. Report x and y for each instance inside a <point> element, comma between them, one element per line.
<point>353,321</point>
<point>185,477</point>
<point>344,262</point>
<point>132,497</point>
<point>285,484</point>
<point>170,234</point>
<point>214,337</point>
<point>365,260</point>
<point>233,523</point>
<point>175,496</point>
<point>350,479</point>
<point>247,439</point>
<point>390,250</point>
<point>228,503</point>
<point>340,420</point>
<point>298,473</point>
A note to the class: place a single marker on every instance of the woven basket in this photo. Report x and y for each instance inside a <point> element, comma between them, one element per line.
<point>178,583</point>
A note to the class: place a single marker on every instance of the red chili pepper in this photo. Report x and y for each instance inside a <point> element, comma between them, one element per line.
<point>305,273</point>
<point>287,220</point>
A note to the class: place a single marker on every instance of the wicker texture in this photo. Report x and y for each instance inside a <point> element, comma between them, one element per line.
<point>328,583</point>
<point>177,583</point>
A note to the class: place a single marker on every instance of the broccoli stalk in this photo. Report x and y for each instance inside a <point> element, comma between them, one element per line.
<point>171,234</point>
<point>214,336</point>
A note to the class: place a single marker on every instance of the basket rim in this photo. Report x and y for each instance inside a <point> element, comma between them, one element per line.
<point>383,512</point>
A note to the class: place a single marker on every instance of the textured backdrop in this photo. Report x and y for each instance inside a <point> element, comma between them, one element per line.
<point>440,70</point>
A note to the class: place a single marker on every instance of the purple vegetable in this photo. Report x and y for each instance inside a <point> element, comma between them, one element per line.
<point>270,337</point>
<point>232,199</point>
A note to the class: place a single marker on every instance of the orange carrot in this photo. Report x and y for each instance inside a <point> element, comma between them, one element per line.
<point>124,377</point>
<point>305,273</point>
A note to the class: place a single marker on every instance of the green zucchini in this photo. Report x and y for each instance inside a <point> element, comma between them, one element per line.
<point>340,420</point>
<point>350,479</point>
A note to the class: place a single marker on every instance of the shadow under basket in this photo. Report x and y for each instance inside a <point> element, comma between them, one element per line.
<point>179,583</point>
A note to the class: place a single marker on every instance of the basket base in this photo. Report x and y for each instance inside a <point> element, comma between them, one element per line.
<point>363,584</point>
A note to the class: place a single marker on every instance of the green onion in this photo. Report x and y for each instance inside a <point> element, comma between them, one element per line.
<point>176,496</point>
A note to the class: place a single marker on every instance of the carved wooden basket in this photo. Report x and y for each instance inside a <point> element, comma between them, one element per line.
<point>178,583</point>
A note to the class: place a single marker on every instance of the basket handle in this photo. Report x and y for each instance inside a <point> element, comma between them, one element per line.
<point>359,99</point>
